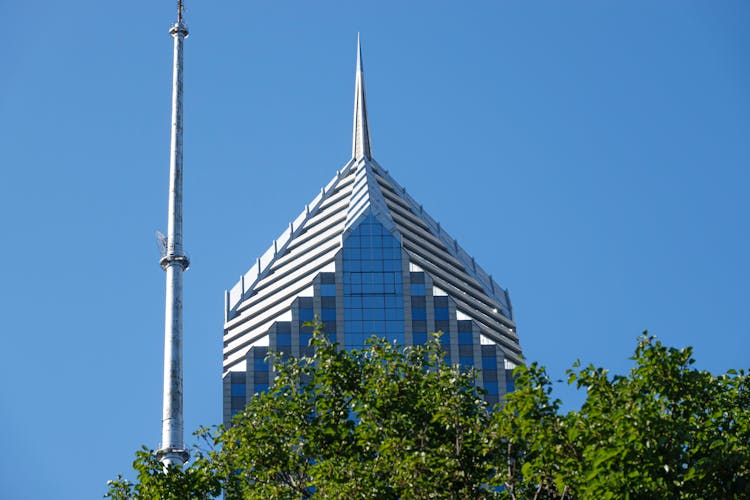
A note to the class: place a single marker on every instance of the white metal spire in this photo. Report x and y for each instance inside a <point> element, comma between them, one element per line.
<point>174,263</point>
<point>361,147</point>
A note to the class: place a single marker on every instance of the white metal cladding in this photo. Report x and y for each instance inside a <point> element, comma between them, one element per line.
<point>312,242</point>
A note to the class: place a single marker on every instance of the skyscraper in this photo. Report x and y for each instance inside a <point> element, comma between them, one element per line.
<point>365,258</point>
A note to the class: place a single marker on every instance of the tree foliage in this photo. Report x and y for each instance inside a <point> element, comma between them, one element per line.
<point>392,422</point>
<point>666,430</point>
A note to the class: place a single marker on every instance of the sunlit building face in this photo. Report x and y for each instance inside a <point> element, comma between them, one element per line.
<point>364,258</point>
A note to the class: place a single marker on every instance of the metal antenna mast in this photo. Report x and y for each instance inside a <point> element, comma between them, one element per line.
<point>174,263</point>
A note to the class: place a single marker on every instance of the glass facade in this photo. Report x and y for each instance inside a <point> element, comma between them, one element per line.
<point>365,258</point>
<point>371,293</point>
<point>373,287</point>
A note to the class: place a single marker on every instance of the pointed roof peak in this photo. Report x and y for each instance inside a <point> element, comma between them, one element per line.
<point>361,147</point>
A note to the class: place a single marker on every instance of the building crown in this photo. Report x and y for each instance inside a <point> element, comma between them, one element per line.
<point>362,190</point>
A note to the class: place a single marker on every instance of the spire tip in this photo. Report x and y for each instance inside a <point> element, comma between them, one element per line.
<point>361,134</point>
<point>179,28</point>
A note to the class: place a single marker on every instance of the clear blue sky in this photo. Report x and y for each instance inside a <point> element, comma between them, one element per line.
<point>593,156</point>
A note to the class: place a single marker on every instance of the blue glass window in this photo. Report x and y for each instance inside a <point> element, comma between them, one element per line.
<point>371,265</point>
<point>238,403</point>
<point>328,290</point>
<point>373,302</point>
<point>283,339</point>
<point>304,339</point>
<point>372,284</point>
<point>417,289</point>
<point>491,387</point>
<point>465,338</point>
<point>328,314</point>
<point>376,314</point>
<point>391,265</point>
<point>489,363</point>
<point>418,313</point>
<point>394,301</point>
<point>373,327</point>
<point>284,327</point>
<point>394,326</point>
<point>391,253</point>
<point>238,390</point>
<point>441,313</point>
<point>466,362</point>
<point>510,385</point>
<point>352,301</point>
<point>258,388</point>
<point>393,314</point>
<point>260,364</point>
<point>464,325</point>
<point>443,326</point>
<point>306,314</point>
<point>419,338</point>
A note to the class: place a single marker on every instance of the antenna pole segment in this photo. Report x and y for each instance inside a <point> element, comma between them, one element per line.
<point>174,263</point>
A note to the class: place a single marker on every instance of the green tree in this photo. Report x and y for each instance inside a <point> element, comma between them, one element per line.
<point>666,430</point>
<point>392,422</point>
<point>381,422</point>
